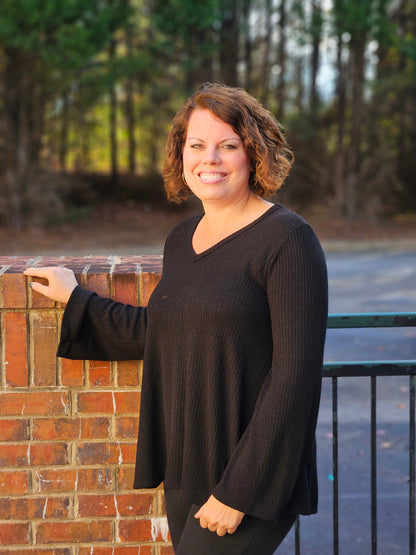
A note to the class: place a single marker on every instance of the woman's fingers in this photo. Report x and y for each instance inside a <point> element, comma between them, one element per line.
<point>212,527</point>
<point>61,282</point>
<point>218,517</point>
<point>39,288</point>
<point>39,272</point>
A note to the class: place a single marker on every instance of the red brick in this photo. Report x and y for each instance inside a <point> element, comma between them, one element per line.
<point>127,402</point>
<point>74,531</point>
<point>14,483</point>
<point>136,530</point>
<point>126,288</point>
<point>33,454</point>
<point>91,427</point>
<point>15,341</point>
<point>72,372</point>
<point>44,348</point>
<point>49,454</point>
<point>135,504</point>
<point>97,505</point>
<point>128,451</point>
<point>37,299</point>
<point>16,430</point>
<point>46,480</point>
<point>148,283</point>
<point>71,428</point>
<point>36,551</point>
<point>95,427</point>
<point>34,403</point>
<point>120,550</point>
<point>99,373</point>
<point>125,478</point>
<point>13,455</point>
<point>64,261</point>
<point>127,427</point>
<point>162,506</point>
<point>14,291</point>
<point>56,428</point>
<point>166,550</point>
<point>30,508</point>
<point>152,264</point>
<point>98,402</point>
<point>106,453</point>
<point>100,479</point>
<point>128,373</point>
<point>88,479</point>
<point>14,533</point>
<point>98,283</point>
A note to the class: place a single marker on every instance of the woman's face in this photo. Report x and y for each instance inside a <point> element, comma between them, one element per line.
<point>215,162</point>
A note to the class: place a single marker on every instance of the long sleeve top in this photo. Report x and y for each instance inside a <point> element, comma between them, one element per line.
<point>232,341</point>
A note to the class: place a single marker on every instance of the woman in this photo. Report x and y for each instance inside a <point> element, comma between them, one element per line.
<point>232,338</point>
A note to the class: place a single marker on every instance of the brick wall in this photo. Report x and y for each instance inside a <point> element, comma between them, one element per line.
<point>68,428</point>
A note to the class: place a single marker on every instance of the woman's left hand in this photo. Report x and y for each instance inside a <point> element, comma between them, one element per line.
<point>218,517</point>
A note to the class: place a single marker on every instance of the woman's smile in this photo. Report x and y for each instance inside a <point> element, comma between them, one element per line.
<point>210,177</point>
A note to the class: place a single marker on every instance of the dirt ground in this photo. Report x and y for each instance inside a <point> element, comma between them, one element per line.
<point>139,228</point>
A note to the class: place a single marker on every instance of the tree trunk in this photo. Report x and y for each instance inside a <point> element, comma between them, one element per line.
<point>63,139</point>
<point>282,59</point>
<point>264,77</point>
<point>113,116</point>
<point>247,45</point>
<point>17,76</point>
<point>204,70</point>
<point>339,181</point>
<point>129,108</point>
<point>406,118</point>
<point>357,105</point>
<point>300,88</point>
<point>229,42</point>
<point>316,25</point>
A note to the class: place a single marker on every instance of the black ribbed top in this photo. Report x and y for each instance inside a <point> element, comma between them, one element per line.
<point>232,341</point>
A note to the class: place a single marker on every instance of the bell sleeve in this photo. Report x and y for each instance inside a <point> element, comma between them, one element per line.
<point>275,451</point>
<point>96,328</point>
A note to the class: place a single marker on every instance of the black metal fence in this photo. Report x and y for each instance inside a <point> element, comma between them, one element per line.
<point>372,369</point>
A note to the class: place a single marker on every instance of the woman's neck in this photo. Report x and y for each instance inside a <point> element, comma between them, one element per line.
<point>218,217</point>
<point>220,222</point>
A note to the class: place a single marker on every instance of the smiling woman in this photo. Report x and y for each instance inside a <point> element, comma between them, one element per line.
<point>256,127</point>
<point>216,169</point>
<point>232,337</point>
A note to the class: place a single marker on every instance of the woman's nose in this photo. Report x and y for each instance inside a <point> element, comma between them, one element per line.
<point>211,155</point>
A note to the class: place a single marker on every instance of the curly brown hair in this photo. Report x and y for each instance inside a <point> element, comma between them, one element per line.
<point>261,133</point>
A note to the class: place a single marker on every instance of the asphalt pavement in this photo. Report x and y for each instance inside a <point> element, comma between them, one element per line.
<point>381,280</point>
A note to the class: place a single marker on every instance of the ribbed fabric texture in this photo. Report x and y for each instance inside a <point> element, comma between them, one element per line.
<point>233,344</point>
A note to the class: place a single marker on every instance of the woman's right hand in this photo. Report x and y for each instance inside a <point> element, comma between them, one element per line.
<point>61,282</point>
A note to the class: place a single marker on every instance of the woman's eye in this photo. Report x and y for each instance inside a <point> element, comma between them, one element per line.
<point>226,146</point>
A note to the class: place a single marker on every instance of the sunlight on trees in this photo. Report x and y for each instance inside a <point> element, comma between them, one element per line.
<point>91,86</point>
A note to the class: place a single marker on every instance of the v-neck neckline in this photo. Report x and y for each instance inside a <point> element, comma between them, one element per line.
<point>197,256</point>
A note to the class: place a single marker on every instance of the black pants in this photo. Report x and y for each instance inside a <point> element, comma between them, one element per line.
<point>254,536</point>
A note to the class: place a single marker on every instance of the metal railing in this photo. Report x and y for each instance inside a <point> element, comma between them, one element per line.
<point>372,369</point>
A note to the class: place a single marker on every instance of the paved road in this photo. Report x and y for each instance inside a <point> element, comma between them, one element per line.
<point>372,282</point>
<point>362,282</point>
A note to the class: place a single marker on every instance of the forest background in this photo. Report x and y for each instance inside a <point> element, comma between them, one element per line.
<point>89,87</point>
